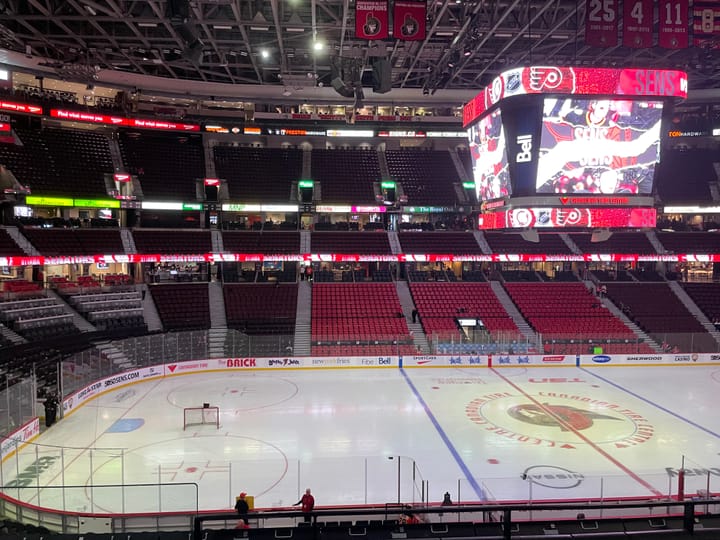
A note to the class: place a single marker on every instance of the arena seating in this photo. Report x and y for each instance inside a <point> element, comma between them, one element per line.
<point>60,161</point>
<point>261,309</point>
<point>707,298</point>
<point>619,242</point>
<point>281,242</point>
<point>8,247</point>
<point>346,175</point>
<point>375,243</point>
<point>439,305</point>
<point>572,318</point>
<point>259,175</point>
<point>165,241</point>
<point>657,310</point>
<point>363,318</point>
<point>514,243</point>
<point>182,306</point>
<point>167,166</point>
<point>439,242</point>
<point>427,176</point>
<point>108,310</point>
<point>58,242</point>
<point>16,289</point>
<point>690,242</point>
<point>34,315</point>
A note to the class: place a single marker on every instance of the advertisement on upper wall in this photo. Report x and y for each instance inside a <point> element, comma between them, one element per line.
<point>599,146</point>
<point>489,158</point>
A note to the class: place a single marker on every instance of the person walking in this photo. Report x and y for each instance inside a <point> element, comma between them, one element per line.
<point>307,502</point>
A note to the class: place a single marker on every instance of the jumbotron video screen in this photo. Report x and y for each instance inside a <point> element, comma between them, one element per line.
<point>489,157</point>
<point>568,131</point>
<point>598,146</point>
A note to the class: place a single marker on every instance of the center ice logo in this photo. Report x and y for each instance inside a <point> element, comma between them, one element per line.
<point>564,417</point>
<point>559,419</point>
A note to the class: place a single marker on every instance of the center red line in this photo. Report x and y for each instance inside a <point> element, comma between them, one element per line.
<point>582,437</point>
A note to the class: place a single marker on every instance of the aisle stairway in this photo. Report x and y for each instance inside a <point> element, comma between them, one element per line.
<point>406,302</point>
<point>693,308</point>
<point>150,312</point>
<point>77,319</point>
<point>303,314</point>
<point>525,329</point>
<point>20,240</point>
<point>617,312</point>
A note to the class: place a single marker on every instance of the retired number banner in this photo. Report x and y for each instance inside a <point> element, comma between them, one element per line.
<point>638,23</point>
<point>673,30</point>
<point>409,20</point>
<point>371,19</point>
<point>706,23</point>
<point>601,23</point>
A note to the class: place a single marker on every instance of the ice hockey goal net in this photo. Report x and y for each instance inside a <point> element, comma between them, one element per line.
<point>195,416</point>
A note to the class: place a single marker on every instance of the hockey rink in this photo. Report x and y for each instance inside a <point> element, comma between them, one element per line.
<point>363,436</point>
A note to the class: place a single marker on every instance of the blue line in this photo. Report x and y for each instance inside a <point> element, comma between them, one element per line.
<point>479,491</point>
<point>650,402</point>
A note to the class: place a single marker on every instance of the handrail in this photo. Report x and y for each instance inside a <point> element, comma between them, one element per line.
<point>688,512</point>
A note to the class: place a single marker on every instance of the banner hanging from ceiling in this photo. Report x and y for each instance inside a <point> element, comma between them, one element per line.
<point>674,22</point>
<point>638,20</point>
<point>371,19</point>
<point>706,24</point>
<point>601,23</point>
<point>409,20</point>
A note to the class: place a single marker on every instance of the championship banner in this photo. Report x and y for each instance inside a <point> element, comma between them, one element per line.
<point>371,19</point>
<point>409,20</point>
<point>706,23</point>
<point>673,30</point>
<point>601,23</point>
<point>638,23</point>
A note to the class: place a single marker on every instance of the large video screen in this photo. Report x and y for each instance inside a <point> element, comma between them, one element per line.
<point>598,146</point>
<point>489,158</point>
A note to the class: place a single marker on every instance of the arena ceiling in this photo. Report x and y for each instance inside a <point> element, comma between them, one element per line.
<point>222,41</point>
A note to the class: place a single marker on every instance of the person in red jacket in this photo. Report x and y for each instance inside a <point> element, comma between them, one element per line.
<point>308,503</point>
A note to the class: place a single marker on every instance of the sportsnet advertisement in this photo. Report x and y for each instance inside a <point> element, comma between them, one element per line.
<point>109,383</point>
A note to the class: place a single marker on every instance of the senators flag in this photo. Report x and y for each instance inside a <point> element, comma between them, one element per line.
<point>409,20</point>
<point>371,19</point>
<point>673,30</point>
<point>638,23</point>
<point>706,23</point>
<point>601,23</point>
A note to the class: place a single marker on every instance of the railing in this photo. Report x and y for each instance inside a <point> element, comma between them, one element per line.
<point>112,481</point>
<point>17,404</point>
<point>483,343</point>
<point>579,520</point>
<point>82,368</point>
<point>513,343</point>
<point>48,476</point>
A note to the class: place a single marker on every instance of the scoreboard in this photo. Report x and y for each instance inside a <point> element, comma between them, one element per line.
<point>540,134</point>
